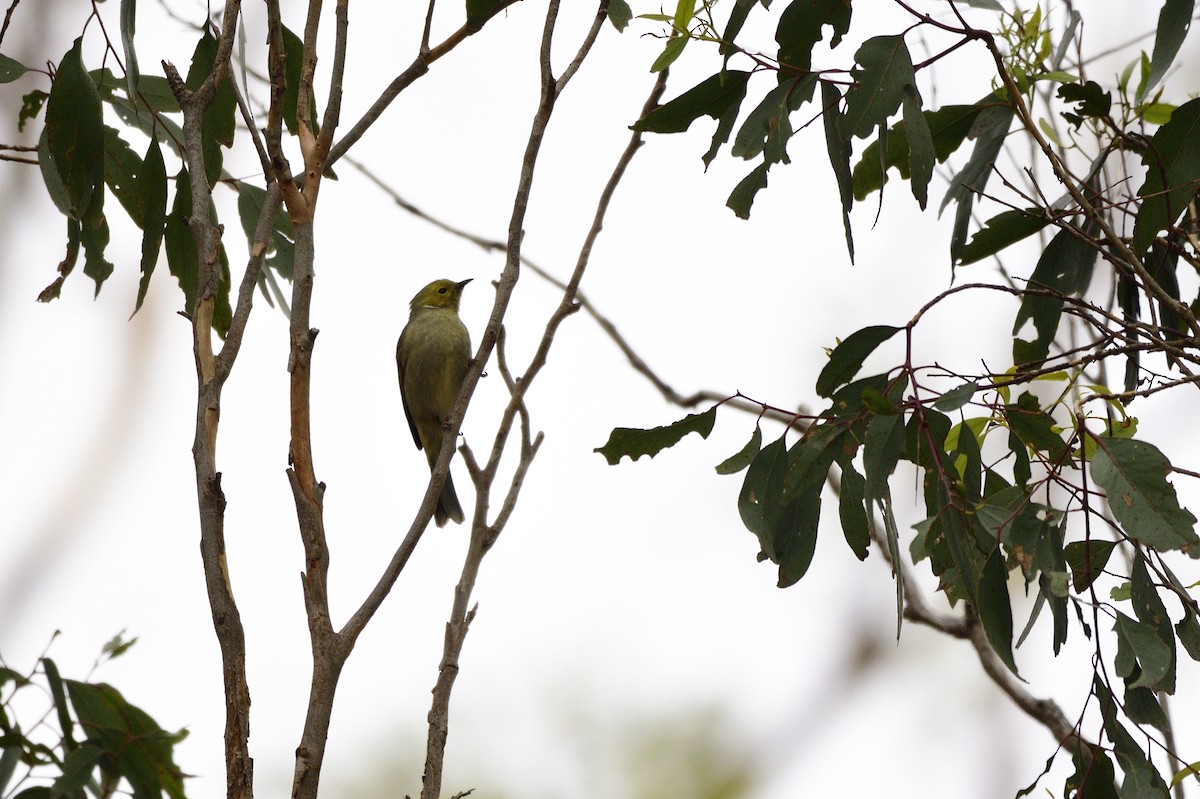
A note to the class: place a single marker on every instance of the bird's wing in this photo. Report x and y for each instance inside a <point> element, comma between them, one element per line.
<point>404,400</point>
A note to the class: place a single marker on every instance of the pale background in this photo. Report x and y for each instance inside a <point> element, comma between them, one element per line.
<point>623,604</point>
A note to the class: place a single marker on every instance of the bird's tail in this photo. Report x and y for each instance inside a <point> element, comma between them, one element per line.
<point>448,507</point>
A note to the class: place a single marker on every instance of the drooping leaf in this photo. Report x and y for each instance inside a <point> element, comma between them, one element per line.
<point>852,512</point>
<point>1087,560</point>
<point>1094,776</point>
<point>1173,22</point>
<point>1139,645</point>
<point>837,142</point>
<point>619,14</point>
<point>1091,101</point>
<point>921,152</point>
<point>480,11</point>
<point>948,128</point>
<point>742,458</point>
<point>801,25</point>
<point>760,500</point>
<point>1064,268</point>
<point>848,357</point>
<point>1035,427</point>
<point>1172,174</point>
<point>635,442</point>
<point>767,128</point>
<point>128,27</point>
<point>121,169</point>
<point>1003,229</point>
<point>995,608</point>
<point>743,194</point>
<point>152,188</point>
<point>988,130</point>
<point>718,96</point>
<point>1149,609</point>
<point>75,133</point>
<point>219,123</point>
<point>956,397</point>
<point>293,48</point>
<point>95,240</point>
<point>1134,476</point>
<point>883,73</point>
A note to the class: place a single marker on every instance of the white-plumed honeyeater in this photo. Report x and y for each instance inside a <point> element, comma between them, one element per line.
<point>432,356</point>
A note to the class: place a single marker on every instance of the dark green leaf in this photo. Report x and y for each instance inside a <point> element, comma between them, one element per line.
<point>956,397</point>
<point>1094,776</point>
<point>293,48</point>
<point>66,265</point>
<point>10,756</point>
<point>121,169</point>
<point>1087,560</point>
<point>52,179</point>
<point>1007,227</point>
<point>619,14</point>
<point>1035,427</point>
<point>995,610</point>
<point>1134,476</point>
<point>635,443</point>
<point>480,11</point>
<point>1188,630</point>
<point>1173,22</point>
<point>852,512</point>
<point>280,248</point>
<point>1142,707</point>
<point>847,358</point>
<point>718,96</point>
<point>140,750</point>
<point>1172,174</point>
<point>837,142</point>
<point>948,127</point>
<point>742,458</point>
<point>1064,268</point>
<point>737,18</point>
<point>60,705</point>
<point>884,446</point>
<point>128,26</point>
<point>811,458</point>
<point>1150,611</point>
<point>802,25</point>
<point>163,128</point>
<point>743,194</point>
<point>75,133</point>
<point>95,241</point>
<point>77,771</point>
<point>1139,643</point>
<point>182,259</point>
<point>921,153</point>
<point>220,116</point>
<point>1091,101</point>
<point>10,69</point>
<point>152,188</point>
<point>767,128</point>
<point>31,106</point>
<point>988,130</point>
<point>884,71</point>
<point>759,502</point>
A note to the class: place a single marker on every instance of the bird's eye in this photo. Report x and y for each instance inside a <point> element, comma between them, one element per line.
<point>442,291</point>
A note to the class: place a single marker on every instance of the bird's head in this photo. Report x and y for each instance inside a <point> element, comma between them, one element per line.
<point>439,294</point>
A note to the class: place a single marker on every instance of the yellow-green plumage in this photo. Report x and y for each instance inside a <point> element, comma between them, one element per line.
<point>432,356</point>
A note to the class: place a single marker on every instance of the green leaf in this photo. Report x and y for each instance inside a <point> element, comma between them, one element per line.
<point>1007,227</point>
<point>95,241</point>
<point>77,771</point>
<point>1139,643</point>
<point>1149,609</point>
<point>11,69</point>
<point>742,458</point>
<point>848,357</point>
<point>65,724</point>
<point>948,127</point>
<point>1134,476</point>
<point>671,52</point>
<point>1064,268</point>
<point>762,489</point>
<point>1142,707</point>
<point>1094,776</point>
<point>1035,427</point>
<point>152,188</point>
<point>768,127</point>
<point>619,14</point>
<point>75,133</point>
<point>921,152</point>
<point>635,442</point>
<point>121,169</point>
<point>182,258</point>
<point>743,194</point>
<point>31,106</point>
<point>801,25</point>
<point>1092,102</point>
<point>956,397</point>
<point>139,750</point>
<point>811,458</point>
<point>988,130</point>
<point>10,756</point>
<point>128,25</point>
<point>1087,560</point>
<point>480,11</point>
<point>281,245</point>
<point>852,512</point>
<point>884,71</point>
<point>837,142</point>
<point>719,96</point>
<point>995,609</point>
<point>293,48</point>
<point>220,117</point>
<point>1172,172</point>
<point>1173,22</point>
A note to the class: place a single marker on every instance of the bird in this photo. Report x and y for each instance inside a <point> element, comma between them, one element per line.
<point>432,357</point>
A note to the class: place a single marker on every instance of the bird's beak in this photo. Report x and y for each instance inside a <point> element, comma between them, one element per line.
<point>462,283</point>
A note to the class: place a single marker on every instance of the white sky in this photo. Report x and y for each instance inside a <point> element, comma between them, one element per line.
<point>619,598</point>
